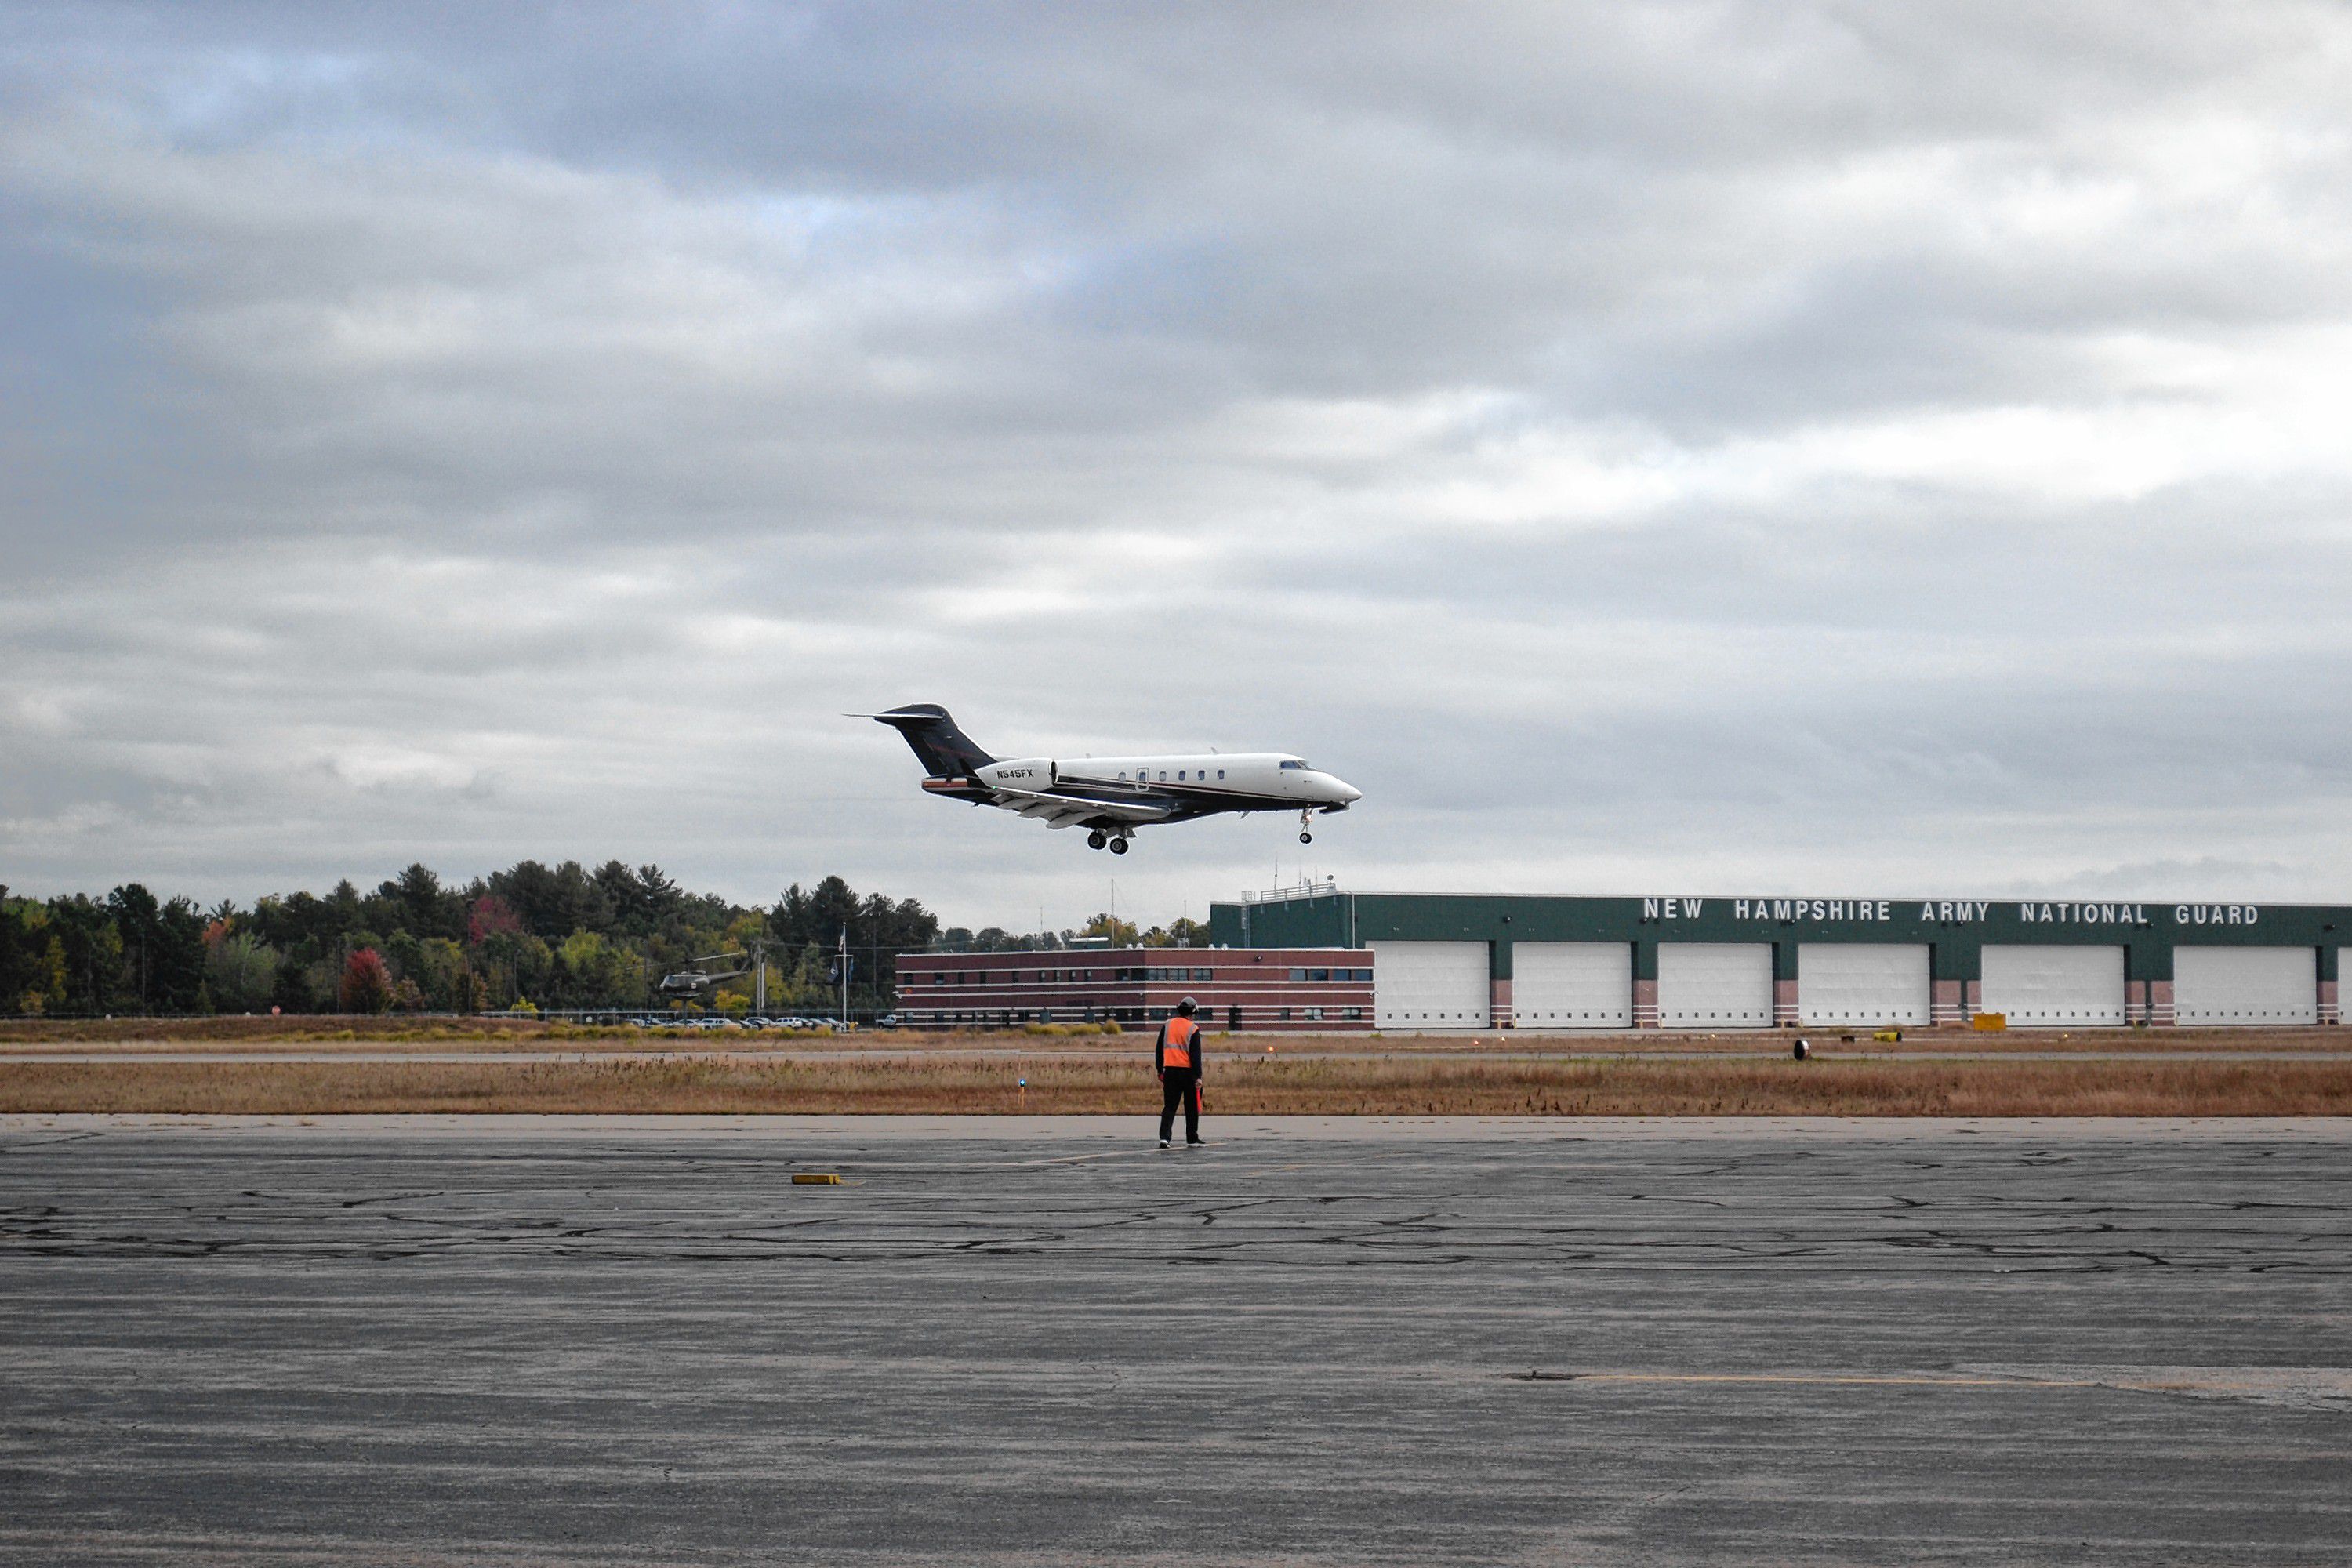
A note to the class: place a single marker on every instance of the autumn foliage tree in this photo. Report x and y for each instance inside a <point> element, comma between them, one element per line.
<point>560,934</point>
<point>367,984</point>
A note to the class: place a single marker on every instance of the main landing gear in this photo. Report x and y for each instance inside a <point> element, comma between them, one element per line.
<point>1098,839</point>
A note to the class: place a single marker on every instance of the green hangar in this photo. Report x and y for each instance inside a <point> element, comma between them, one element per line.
<point>1446,961</point>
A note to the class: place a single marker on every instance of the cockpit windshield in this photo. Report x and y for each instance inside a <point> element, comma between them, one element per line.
<point>1302,767</point>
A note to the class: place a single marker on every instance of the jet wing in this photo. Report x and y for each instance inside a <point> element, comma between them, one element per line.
<point>1057,810</point>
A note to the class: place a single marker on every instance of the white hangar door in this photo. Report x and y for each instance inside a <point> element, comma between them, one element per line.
<point>1862,982</point>
<point>1572,985</point>
<point>2245,985</point>
<point>1714,985</point>
<point>2054,984</point>
<point>1429,985</point>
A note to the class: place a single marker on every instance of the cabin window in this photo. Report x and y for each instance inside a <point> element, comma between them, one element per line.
<point>1163,775</point>
<point>1221,774</point>
<point>1179,775</point>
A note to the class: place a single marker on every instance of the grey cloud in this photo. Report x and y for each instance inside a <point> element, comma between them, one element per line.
<point>1667,442</point>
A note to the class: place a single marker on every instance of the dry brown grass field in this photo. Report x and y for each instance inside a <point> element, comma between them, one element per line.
<point>1627,1087</point>
<point>327,1036</point>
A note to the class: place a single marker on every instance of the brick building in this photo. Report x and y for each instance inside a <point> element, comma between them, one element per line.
<point>1310,989</point>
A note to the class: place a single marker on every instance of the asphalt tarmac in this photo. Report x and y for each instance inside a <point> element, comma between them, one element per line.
<point>1041,1341</point>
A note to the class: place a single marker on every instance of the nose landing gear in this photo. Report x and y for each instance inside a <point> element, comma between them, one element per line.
<point>1305,818</point>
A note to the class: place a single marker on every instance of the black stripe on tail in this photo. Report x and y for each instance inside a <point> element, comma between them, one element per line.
<point>945,752</point>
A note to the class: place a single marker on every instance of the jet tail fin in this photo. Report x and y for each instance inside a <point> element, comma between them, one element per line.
<point>945,752</point>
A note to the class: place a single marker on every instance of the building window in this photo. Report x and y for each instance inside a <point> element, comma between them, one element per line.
<point>1284,1014</point>
<point>1314,1015</point>
<point>1355,1012</point>
<point>1319,975</point>
<point>938,977</point>
<point>1202,974</point>
<point>1298,974</point>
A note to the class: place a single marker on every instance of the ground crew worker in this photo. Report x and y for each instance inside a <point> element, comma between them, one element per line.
<point>1176,1059</point>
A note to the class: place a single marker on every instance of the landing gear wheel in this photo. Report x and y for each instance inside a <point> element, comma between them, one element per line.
<point>1098,839</point>
<point>1306,839</point>
<point>1119,846</point>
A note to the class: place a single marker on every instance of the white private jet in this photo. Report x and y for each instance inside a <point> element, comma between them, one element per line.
<point>1110,797</point>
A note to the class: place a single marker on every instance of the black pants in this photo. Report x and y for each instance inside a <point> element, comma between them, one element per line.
<point>1180,1087</point>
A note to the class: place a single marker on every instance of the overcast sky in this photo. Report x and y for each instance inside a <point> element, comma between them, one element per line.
<point>1648,448</point>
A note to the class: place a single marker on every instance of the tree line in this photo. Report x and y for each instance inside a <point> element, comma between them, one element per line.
<point>530,937</point>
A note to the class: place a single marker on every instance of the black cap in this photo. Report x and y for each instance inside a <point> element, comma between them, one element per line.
<point>1187,1007</point>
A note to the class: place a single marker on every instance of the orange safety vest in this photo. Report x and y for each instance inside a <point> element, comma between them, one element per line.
<point>1178,1052</point>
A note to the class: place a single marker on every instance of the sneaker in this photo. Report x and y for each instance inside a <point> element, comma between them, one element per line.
<point>1163,1142</point>
<point>1196,1143</point>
